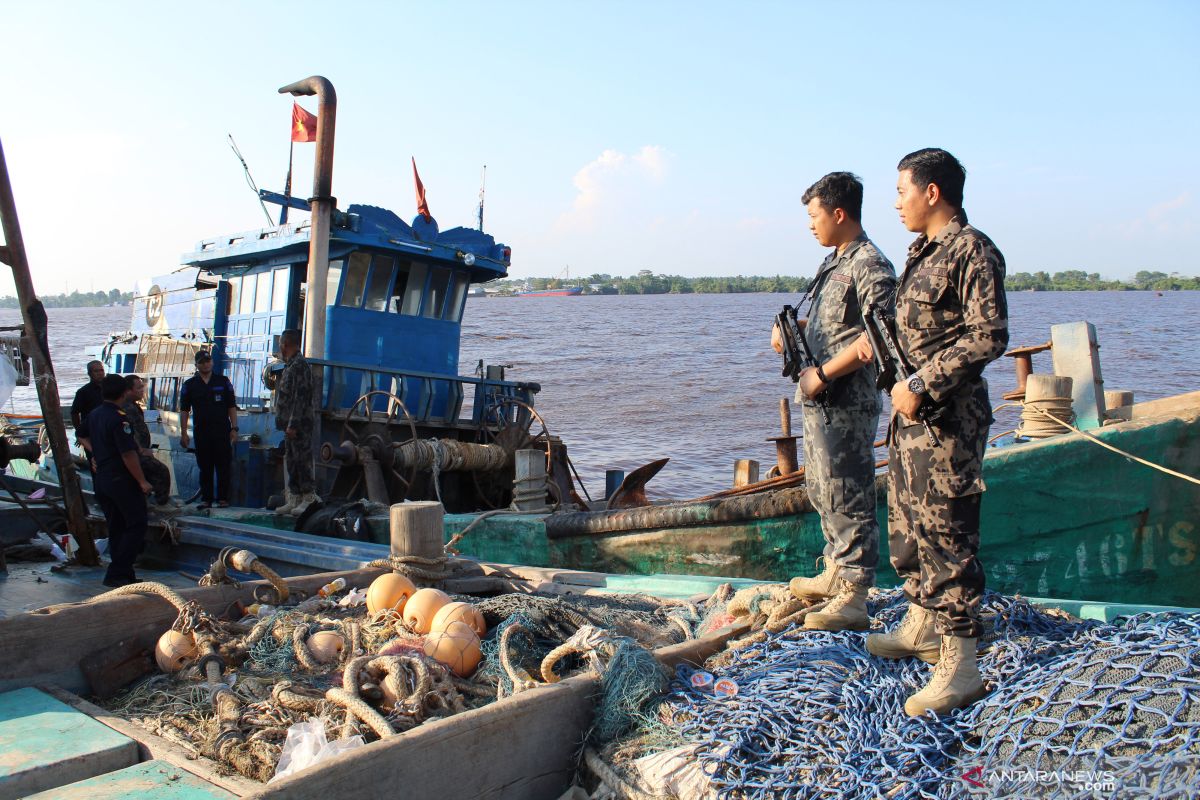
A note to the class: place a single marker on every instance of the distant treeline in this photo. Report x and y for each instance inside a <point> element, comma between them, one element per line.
<point>77,299</point>
<point>647,283</point>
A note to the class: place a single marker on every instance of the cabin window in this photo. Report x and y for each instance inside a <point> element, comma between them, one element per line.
<point>459,294</point>
<point>396,302</point>
<point>439,282</point>
<point>279,293</point>
<point>356,280</point>
<point>246,304</point>
<point>262,299</point>
<point>235,288</point>
<point>331,284</point>
<point>379,283</point>
<point>416,287</point>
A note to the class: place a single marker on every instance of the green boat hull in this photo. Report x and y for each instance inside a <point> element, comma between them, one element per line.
<point>1062,517</point>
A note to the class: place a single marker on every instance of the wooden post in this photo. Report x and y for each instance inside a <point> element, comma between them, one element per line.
<point>34,317</point>
<point>745,470</point>
<point>417,529</point>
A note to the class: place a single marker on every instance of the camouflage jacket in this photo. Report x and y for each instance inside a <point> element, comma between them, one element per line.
<point>845,285</point>
<point>137,422</point>
<point>951,312</point>
<point>294,395</point>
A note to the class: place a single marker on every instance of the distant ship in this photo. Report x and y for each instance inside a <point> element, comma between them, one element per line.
<point>566,291</point>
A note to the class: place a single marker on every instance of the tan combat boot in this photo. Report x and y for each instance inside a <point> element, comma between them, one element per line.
<point>822,587</point>
<point>847,611</point>
<point>914,636</point>
<point>955,681</point>
<point>289,502</point>
<point>303,501</point>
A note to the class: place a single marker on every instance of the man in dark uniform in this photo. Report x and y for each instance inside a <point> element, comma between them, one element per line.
<point>155,471</point>
<point>295,415</point>
<point>86,399</point>
<point>211,401</point>
<point>121,487</point>
<point>839,455</point>
<point>951,321</point>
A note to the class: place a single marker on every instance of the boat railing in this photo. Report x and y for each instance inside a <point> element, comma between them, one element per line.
<point>429,398</point>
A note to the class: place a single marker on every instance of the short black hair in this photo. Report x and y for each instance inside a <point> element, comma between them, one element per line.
<point>91,364</point>
<point>290,336</point>
<point>113,387</point>
<point>132,379</point>
<point>836,190</point>
<point>935,165</point>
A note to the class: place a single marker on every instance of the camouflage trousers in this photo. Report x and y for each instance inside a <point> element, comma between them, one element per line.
<point>839,471</point>
<point>298,461</point>
<point>158,476</point>
<point>934,495</point>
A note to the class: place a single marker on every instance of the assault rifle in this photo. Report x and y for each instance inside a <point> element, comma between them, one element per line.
<point>797,355</point>
<point>893,368</point>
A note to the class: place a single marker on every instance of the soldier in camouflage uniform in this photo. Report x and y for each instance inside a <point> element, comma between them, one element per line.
<point>295,415</point>
<point>839,455</point>
<point>156,473</point>
<point>951,321</point>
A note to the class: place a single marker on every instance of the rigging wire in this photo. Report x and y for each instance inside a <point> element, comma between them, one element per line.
<point>250,179</point>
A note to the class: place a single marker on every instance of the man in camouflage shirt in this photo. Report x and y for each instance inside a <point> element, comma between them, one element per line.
<point>156,473</point>
<point>839,458</point>
<point>951,321</point>
<point>295,415</point>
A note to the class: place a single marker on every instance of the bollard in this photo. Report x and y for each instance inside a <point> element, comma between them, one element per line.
<point>745,470</point>
<point>529,485</point>
<point>416,529</point>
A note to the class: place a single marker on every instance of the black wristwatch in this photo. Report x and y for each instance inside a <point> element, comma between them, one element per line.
<point>916,385</point>
<point>821,374</point>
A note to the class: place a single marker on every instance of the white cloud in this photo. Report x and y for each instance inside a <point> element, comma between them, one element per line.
<point>612,182</point>
<point>1161,218</point>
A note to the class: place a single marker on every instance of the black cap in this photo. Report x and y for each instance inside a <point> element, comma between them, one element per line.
<point>203,355</point>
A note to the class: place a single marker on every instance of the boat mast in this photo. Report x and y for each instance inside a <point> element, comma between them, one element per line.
<point>482,184</point>
<point>33,314</point>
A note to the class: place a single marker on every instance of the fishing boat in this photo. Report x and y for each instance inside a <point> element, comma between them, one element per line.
<point>565,291</point>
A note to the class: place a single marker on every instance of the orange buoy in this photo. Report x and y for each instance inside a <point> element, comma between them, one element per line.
<point>459,612</point>
<point>389,591</point>
<point>421,608</point>
<point>457,647</point>
<point>174,649</point>
<point>326,646</point>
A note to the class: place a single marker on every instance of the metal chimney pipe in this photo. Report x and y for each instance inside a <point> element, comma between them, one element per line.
<point>322,203</point>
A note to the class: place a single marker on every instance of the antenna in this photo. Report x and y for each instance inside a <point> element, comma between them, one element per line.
<point>250,179</point>
<point>482,186</point>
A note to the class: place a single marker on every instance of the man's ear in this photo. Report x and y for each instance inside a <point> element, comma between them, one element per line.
<point>933,193</point>
<point>839,216</point>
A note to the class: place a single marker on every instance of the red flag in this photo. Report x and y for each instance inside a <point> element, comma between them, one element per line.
<point>304,125</point>
<point>422,206</point>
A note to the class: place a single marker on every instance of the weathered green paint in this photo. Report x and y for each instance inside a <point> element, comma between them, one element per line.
<point>152,779</point>
<point>45,743</point>
<point>1061,517</point>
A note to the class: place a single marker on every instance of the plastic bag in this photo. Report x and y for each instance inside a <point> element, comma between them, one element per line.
<point>8,380</point>
<point>306,745</point>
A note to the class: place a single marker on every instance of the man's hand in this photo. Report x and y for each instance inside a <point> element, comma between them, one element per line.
<point>862,348</point>
<point>290,433</point>
<point>183,440</point>
<point>811,384</point>
<point>904,401</point>
<point>145,487</point>
<point>144,452</point>
<point>776,339</point>
<point>233,437</point>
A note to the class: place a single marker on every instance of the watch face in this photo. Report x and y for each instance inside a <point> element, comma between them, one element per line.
<point>916,385</point>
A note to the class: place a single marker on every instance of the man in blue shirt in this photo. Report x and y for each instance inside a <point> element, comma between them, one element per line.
<point>121,488</point>
<point>210,400</point>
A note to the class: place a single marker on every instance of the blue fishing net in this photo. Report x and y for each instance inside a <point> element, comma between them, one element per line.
<point>1077,709</point>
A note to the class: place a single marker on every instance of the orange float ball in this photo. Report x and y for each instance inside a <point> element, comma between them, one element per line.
<point>174,649</point>
<point>389,591</point>
<point>459,612</point>
<point>457,647</point>
<point>421,608</point>
<point>326,646</point>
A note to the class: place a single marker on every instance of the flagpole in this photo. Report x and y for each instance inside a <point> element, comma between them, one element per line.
<point>287,186</point>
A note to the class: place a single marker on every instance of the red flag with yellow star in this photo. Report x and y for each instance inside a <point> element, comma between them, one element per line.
<point>304,125</point>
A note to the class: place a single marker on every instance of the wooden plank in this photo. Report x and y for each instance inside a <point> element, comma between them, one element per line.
<point>45,743</point>
<point>46,645</point>
<point>152,779</point>
<point>523,747</point>
<point>696,651</point>
<point>153,746</point>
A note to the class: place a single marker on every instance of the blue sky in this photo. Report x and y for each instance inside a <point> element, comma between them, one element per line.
<point>676,137</point>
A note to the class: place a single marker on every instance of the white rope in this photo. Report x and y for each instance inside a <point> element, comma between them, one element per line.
<point>1119,451</point>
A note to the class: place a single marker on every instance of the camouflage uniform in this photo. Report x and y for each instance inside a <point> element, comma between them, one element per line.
<point>951,320</point>
<point>157,474</point>
<point>839,458</point>
<point>294,409</point>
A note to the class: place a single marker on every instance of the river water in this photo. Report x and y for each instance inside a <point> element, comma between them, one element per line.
<point>627,379</point>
